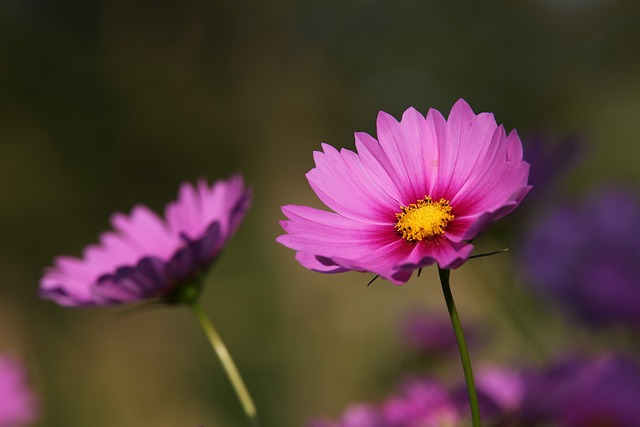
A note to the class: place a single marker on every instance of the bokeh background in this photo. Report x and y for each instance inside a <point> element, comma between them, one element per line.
<point>107,104</point>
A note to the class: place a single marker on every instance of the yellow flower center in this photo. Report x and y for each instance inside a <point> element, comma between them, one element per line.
<point>424,219</point>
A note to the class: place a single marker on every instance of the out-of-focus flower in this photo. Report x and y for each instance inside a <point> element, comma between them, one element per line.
<point>420,403</point>
<point>500,394</point>
<point>584,393</point>
<point>550,158</point>
<point>428,334</point>
<point>358,415</point>
<point>18,406</point>
<point>504,387</point>
<point>410,199</point>
<point>586,257</point>
<point>151,257</point>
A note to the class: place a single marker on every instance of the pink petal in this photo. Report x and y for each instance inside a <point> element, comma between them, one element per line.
<point>226,202</point>
<point>479,222</point>
<point>497,187</point>
<point>185,213</point>
<point>379,166</point>
<point>318,263</point>
<point>381,260</point>
<point>467,140</point>
<point>144,231</point>
<point>344,185</point>
<point>412,149</point>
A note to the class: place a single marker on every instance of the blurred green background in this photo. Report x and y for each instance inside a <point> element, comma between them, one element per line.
<point>107,104</point>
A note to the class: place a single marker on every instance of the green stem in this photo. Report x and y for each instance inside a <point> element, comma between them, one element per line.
<point>462,346</point>
<point>227,363</point>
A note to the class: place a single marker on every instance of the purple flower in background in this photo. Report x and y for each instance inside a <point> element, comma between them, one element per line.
<point>502,386</point>
<point>420,403</point>
<point>152,257</point>
<point>500,395</point>
<point>586,256</point>
<point>585,393</point>
<point>410,199</point>
<point>549,158</point>
<point>358,415</point>
<point>428,334</point>
<point>18,405</point>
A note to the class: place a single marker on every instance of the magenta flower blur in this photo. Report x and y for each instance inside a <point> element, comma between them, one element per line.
<point>412,198</point>
<point>502,386</point>
<point>550,158</point>
<point>358,415</point>
<point>585,257</point>
<point>147,256</point>
<point>419,403</point>
<point>580,392</point>
<point>18,406</point>
<point>500,395</point>
<point>427,334</point>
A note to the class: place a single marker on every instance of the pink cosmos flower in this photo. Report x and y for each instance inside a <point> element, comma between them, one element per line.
<point>18,405</point>
<point>412,198</point>
<point>152,257</point>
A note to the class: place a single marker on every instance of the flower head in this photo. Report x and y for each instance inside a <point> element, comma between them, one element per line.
<point>410,199</point>
<point>151,257</point>
<point>585,256</point>
<point>18,405</point>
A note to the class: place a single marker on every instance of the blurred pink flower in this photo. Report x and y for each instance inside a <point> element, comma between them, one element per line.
<point>419,403</point>
<point>148,256</point>
<point>18,405</point>
<point>584,392</point>
<point>500,394</point>
<point>584,256</point>
<point>502,386</point>
<point>412,199</point>
<point>428,334</point>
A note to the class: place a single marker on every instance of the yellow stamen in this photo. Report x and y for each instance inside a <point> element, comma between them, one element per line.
<point>424,219</point>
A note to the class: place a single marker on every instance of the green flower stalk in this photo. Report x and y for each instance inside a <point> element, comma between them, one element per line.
<point>462,346</point>
<point>227,363</point>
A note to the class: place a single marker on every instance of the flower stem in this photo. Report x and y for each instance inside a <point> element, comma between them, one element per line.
<point>462,346</point>
<point>227,363</point>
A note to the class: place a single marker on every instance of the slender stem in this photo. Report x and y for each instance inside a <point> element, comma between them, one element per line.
<point>227,364</point>
<point>462,346</point>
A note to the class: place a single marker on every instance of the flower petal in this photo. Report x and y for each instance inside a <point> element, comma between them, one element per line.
<point>318,263</point>
<point>412,148</point>
<point>144,231</point>
<point>379,166</point>
<point>464,148</point>
<point>147,257</point>
<point>344,185</point>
